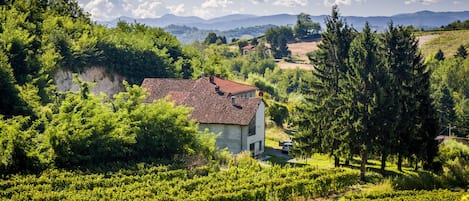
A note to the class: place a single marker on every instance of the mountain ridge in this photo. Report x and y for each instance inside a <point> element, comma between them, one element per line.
<point>424,19</point>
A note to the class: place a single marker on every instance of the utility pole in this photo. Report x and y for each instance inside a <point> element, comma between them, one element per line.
<point>449,129</point>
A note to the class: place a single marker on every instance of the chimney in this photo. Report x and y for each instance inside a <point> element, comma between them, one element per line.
<point>261,93</point>
<point>233,100</point>
<point>212,79</point>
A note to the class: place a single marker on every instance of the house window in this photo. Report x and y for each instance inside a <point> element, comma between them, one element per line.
<point>260,145</point>
<point>252,127</point>
<point>251,147</point>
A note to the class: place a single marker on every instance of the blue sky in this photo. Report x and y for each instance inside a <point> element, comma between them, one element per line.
<point>110,9</point>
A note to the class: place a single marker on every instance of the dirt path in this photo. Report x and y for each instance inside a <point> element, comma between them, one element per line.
<point>427,38</point>
<point>298,52</point>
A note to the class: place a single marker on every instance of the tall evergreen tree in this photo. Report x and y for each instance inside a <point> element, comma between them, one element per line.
<point>445,107</point>
<point>440,56</point>
<point>360,92</point>
<point>427,121</point>
<point>461,52</point>
<point>324,128</point>
<point>211,38</point>
<point>402,59</point>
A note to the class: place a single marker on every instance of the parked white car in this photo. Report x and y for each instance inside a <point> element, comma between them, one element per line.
<point>286,146</point>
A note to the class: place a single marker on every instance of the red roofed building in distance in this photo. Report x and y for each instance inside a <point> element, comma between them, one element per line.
<point>224,107</point>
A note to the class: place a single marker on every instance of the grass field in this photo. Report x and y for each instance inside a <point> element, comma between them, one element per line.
<point>429,43</point>
<point>447,41</point>
<point>410,184</point>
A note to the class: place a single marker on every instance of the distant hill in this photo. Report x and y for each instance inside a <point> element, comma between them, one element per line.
<point>420,20</point>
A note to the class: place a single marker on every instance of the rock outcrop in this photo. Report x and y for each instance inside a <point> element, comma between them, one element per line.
<point>107,83</point>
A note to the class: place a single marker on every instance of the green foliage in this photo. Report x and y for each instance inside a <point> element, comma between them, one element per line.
<point>10,101</point>
<point>452,103</point>
<point>278,38</point>
<point>421,181</point>
<point>455,158</point>
<point>84,131</point>
<point>305,27</point>
<point>456,25</point>
<point>17,146</point>
<point>440,56</point>
<point>212,38</point>
<point>461,52</point>
<point>137,51</point>
<point>361,90</point>
<point>277,112</point>
<point>318,123</point>
<point>165,130</point>
<point>444,104</point>
<point>370,95</point>
<point>88,130</point>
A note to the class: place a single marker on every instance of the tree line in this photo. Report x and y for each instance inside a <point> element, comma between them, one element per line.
<point>370,96</point>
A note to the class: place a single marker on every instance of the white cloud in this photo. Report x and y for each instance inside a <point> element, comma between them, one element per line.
<point>176,9</point>
<point>328,3</point>
<point>100,9</point>
<point>147,9</point>
<point>259,1</point>
<point>291,3</point>
<point>456,2</point>
<point>201,12</point>
<point>216,3</point>
<point>424,2</point>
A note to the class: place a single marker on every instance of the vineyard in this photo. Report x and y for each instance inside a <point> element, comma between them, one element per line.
<point>243,180</point>
<point>410,196</point>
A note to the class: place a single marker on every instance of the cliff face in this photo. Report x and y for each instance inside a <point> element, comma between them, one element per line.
<point>109,84</point>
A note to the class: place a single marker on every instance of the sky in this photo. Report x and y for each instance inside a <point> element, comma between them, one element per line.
<point>103,10</point>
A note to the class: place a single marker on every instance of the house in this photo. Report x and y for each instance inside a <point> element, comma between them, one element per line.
<point>247,49</point>
<point>224,107</point>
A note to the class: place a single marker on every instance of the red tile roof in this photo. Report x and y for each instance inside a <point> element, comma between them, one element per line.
<point>232,87</point>
<point>210,106</point>
<point>248,47</point>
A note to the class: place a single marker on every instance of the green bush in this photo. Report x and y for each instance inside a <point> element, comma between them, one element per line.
<point>455,158</point>
<point>422,181</point>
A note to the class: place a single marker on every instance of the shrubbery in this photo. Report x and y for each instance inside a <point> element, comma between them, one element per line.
<point>84,130</point>
<point>455,158</point>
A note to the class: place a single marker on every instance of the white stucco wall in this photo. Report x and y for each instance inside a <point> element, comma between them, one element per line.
<point>259,138</point>
<point>229,136</point>
<point>235,137</point>
<point>249,94</point>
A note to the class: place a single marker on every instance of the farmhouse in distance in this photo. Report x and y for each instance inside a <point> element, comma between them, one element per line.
<point>224,107</point>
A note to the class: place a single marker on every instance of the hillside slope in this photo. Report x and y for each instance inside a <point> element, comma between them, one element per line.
<point>447,41</point>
